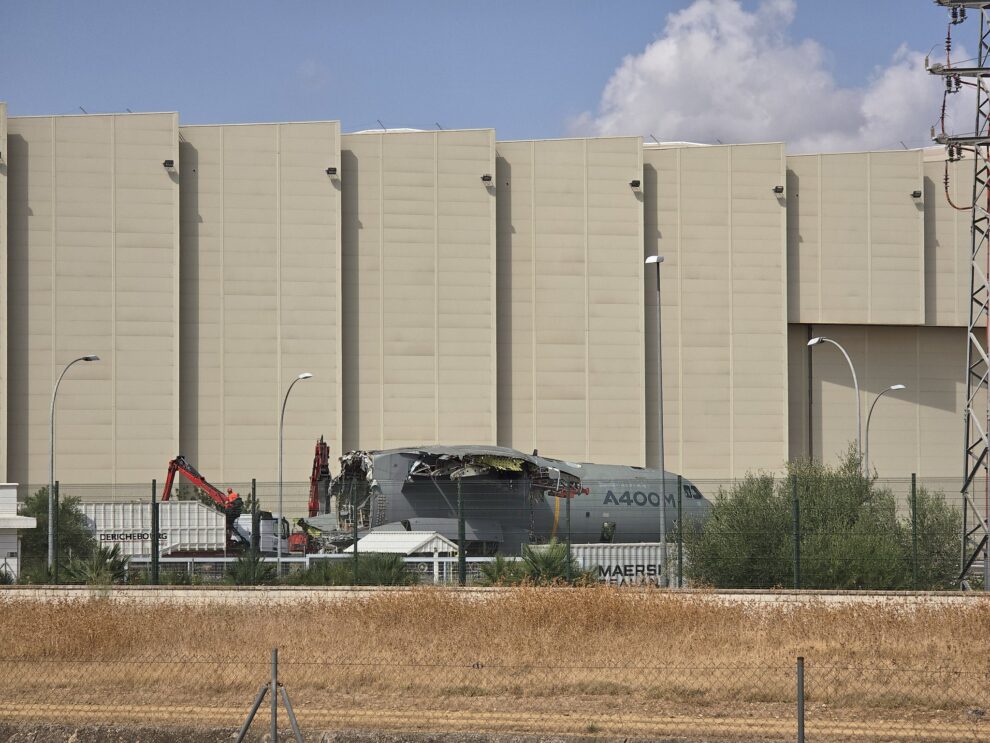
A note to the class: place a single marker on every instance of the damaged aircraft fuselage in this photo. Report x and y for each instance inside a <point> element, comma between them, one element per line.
<point>508,498</point>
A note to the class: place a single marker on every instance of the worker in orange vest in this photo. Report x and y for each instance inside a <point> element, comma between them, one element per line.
<point>233,504</point>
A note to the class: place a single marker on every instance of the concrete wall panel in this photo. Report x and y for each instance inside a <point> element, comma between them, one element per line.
<point>261,300</point>
<point>856,238</point>
<point>915,430</point>
<point>571,307</point>
<point>419,271</point>
<point>947,240</point>
<point>711,212</point>
<point>4,156</point>
<point>93,261</point>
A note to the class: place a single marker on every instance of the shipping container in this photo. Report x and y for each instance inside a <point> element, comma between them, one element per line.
<point>183,526</point>
<point>636,563</point>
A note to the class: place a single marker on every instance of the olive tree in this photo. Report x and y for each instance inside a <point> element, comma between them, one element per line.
<point>850,535</point>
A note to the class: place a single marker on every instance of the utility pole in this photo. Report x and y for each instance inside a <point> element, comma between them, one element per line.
<point>976,451</point>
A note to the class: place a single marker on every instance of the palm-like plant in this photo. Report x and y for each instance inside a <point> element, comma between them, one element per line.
<point>101,568</point>
<point>250,570</point>
<point>384,569</point>
<point>548,564</point>
<point>501,572</point>
<point>323,573</point>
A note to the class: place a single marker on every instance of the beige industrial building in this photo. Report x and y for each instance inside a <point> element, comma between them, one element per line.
<point>446,287</point>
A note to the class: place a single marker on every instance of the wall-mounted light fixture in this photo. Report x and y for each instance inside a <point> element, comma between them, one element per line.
<point>169,164</point>
<point>486,178</point>
<point>331,171</point>
<point>916,194</point>
<point>635,184</point>
<point>778,190</point>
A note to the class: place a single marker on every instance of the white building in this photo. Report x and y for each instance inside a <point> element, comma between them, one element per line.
<point>10,522</point>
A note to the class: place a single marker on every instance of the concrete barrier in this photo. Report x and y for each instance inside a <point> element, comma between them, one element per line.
<point>269,595</point>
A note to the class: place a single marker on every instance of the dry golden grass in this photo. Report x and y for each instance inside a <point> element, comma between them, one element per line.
<point>603,652</point>
<point>530,626</point>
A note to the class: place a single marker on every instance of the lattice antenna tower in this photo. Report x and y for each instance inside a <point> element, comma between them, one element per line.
<point>976,455</point>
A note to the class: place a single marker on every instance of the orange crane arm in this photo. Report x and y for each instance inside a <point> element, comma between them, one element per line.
<point>225,502</point>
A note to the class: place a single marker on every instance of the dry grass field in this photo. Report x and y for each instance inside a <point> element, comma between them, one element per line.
<point>591,661</point>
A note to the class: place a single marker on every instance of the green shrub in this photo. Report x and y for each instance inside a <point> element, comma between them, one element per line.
<point>374,569</point>
<point>384,569</point>
<point>850,534</point>
<point>250,569</point>
<point>332,572</point>
<point>547,564</point>
<point>102,567</point>
<point>35,574</point>
<point>939,527</point>
<point>502,572</point>
<point>75,540</point>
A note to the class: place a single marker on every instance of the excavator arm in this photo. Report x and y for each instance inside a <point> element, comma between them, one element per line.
<point>231,504</point>
<point>319,481</point>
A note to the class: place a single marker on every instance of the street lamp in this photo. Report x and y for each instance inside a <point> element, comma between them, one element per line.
<point>51,461</point>
<point>278,520</point>
<point>866,456</point>
<point>859,414</point>
<point>657,260</point>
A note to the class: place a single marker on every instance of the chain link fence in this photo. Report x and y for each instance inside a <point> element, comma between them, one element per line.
<point>625,699</point>
<point>823,532</point>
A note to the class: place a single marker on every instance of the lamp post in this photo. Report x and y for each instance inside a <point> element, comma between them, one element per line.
<point>866,455</point>
<point>859,415</point>
<point>657,260</point>
<point>51,460</point>
<point>278,520</point>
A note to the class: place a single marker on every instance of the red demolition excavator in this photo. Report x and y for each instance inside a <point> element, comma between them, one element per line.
<point>319,486</point>
<point>229,503</point>
<point>232,506</point>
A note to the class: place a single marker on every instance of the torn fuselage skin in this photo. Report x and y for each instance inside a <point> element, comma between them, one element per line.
<point>508,498</point>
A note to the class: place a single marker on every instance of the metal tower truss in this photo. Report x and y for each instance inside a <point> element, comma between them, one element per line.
<point>976,457</point>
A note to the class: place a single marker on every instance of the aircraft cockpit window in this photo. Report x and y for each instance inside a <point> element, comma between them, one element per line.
<point>608,532</point>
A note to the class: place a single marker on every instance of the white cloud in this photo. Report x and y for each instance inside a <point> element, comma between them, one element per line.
<point>719,71</point>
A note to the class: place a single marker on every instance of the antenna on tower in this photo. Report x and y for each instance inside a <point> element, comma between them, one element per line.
<point>976,447</point>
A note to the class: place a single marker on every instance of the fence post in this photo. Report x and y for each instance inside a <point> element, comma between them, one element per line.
<point>796,511</point>
<point>154,532</point>
<point>255,518</point>
<point>461,559</point>
<point>354,525</point>
<point>55,535</point>
<point>680,530</point>
<point>274,695</point>
<point>567,506</point>
<point>914,530</point>
<point>800,699</point>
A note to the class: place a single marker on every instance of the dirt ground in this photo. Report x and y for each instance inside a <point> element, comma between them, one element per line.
<point>144,733</point>
<point>46,733</point>
<point>586,717</point>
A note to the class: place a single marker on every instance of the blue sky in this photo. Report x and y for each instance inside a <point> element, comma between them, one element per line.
<point>529,69</point>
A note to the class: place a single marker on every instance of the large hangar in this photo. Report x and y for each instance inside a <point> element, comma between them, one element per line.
<point>445,287</point>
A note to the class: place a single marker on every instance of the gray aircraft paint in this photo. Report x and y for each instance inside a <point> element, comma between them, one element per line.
<point>505,509</point>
